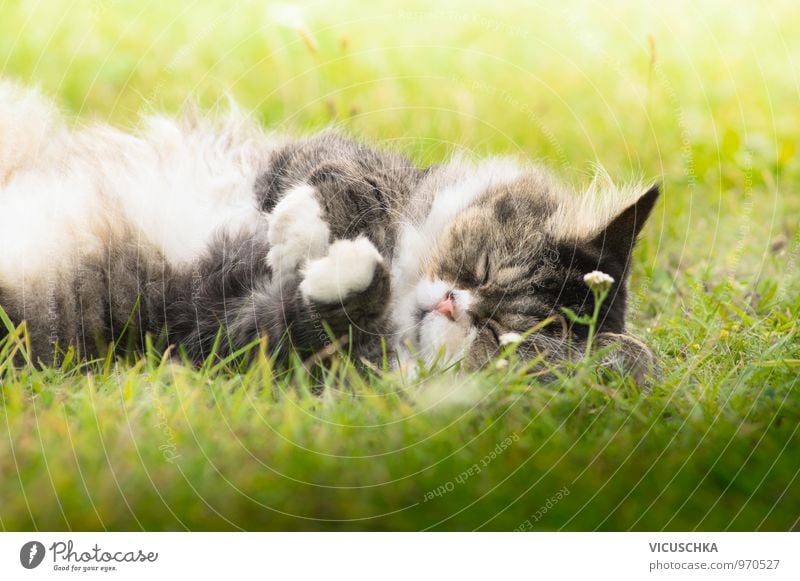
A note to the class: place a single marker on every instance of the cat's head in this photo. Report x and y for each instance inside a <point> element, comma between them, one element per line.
<point>515,256</point>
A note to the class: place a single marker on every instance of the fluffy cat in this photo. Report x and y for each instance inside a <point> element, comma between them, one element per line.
<point>189,227</point>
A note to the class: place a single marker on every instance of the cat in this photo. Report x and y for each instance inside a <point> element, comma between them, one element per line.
<point>211,233</point>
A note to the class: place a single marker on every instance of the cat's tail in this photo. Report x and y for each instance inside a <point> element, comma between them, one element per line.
<point>29,124</point>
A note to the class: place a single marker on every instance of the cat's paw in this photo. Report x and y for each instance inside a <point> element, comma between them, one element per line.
<point>629,356</point>
<point>297,231</point>
<point>348,269</point>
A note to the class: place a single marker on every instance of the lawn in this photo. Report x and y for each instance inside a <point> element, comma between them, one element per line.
<point>705,98</point>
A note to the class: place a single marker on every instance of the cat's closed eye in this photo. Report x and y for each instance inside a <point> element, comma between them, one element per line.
<point>483,269</point>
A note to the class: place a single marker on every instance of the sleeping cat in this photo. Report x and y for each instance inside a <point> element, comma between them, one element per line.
<point>213,233</point>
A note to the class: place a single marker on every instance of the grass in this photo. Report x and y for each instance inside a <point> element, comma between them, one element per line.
<point>704,97</point>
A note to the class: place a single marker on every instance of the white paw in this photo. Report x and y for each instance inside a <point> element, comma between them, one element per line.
<point>347,269</point>
<point>297,232</point>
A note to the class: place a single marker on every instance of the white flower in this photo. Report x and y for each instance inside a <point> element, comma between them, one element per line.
<point>509,338</point>
<point>597,280</point>
<point>501,364</point>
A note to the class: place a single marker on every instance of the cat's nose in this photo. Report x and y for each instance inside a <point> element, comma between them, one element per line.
<point>447,307</point>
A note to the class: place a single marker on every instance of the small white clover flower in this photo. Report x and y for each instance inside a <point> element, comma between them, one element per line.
<point>597,280</point>
<point>509,339</point>
<point>501,364</point>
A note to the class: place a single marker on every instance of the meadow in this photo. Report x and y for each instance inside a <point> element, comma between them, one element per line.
<point>705,98</point>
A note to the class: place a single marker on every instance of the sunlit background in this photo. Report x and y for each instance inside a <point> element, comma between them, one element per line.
<point>704,97</point>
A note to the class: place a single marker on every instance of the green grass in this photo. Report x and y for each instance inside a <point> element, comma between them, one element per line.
<point>704,97</point>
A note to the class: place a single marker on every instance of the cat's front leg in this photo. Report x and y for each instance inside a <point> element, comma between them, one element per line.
<point>346,292</point>
<point>321,291</point>
<point>297,233</point>
<point>329,274</point>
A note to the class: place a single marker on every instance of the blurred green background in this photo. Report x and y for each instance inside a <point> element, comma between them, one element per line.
<point>704,96</point>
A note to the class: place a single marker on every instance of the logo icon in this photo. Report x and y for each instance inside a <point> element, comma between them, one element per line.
<point>31,554</point>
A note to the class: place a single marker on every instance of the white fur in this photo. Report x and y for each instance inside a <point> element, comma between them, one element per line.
<point>510,339</point>
<point>28,124</point>
<point>297,231</point>
<point>440,336</point>
<point>48,222</point>
<point>186,183</point>
<point>171,187</point>
<point>429,293</point>
<point>49,209</point>
<point>444,340</point>
<point>348,268</point>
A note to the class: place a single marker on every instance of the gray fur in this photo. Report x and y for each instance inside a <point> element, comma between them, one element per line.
<point>502,247</point>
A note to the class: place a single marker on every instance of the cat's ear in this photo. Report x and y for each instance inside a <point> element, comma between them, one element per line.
<point>616,240</point>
